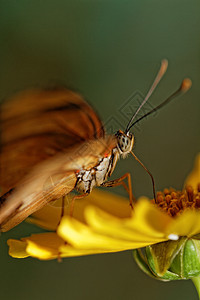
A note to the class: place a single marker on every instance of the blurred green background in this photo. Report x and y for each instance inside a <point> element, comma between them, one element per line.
<point>107,50</point>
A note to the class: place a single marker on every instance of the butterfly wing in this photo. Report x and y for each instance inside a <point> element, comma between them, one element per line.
<point>38,124</point>
<point>51,179</point>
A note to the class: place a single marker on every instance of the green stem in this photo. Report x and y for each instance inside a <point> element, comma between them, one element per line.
<point>196,281</point>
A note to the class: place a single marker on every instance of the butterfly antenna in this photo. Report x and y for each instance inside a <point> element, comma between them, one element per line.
<point>185,86</point>
<point>161,72</point>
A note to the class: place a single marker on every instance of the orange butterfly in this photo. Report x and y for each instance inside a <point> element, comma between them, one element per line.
<point>54,142</point>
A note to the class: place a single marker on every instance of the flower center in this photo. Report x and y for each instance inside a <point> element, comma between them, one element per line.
<point>174,202</point>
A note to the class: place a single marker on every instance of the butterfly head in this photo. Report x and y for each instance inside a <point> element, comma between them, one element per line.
<point>125,142</point>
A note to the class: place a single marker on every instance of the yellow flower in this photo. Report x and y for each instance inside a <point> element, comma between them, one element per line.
<point>103,222</point>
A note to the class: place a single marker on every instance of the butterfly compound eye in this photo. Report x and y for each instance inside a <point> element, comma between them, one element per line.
<point>124,141</point>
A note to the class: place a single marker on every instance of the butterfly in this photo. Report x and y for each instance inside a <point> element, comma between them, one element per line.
<point>53,142</point>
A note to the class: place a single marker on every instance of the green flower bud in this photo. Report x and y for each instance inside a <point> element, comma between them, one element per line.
<point>187,263</point>
<point>171,260</point>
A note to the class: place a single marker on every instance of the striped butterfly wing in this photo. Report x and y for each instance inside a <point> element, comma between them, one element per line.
<point>37,125</point>
<point>51,179</point>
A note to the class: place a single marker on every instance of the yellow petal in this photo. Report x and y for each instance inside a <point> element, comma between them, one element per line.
<point>69,251</point>
<point>187,224</point>
<point>44,245</point>
<point>146,226</point>
<point>49,216</point>
<point>109,202</point>
<point>17,248</point>
<point>83,237</point>
<point>47,246</point>
<point>105,231</point>
<point>147,218</point>
<point>194,177</point>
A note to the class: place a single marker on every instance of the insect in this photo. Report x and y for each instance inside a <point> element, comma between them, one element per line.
<point>52,143</point>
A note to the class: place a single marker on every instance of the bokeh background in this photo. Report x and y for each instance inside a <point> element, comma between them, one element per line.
<point>107,50</point>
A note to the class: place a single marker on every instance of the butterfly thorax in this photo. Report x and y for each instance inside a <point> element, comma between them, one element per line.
<point>97,175</point>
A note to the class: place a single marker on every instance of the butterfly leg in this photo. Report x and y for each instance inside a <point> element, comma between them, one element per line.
<point>71,205</point>
<point>62,210</point>
<point>73,201</point>
<point>120,181</point>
